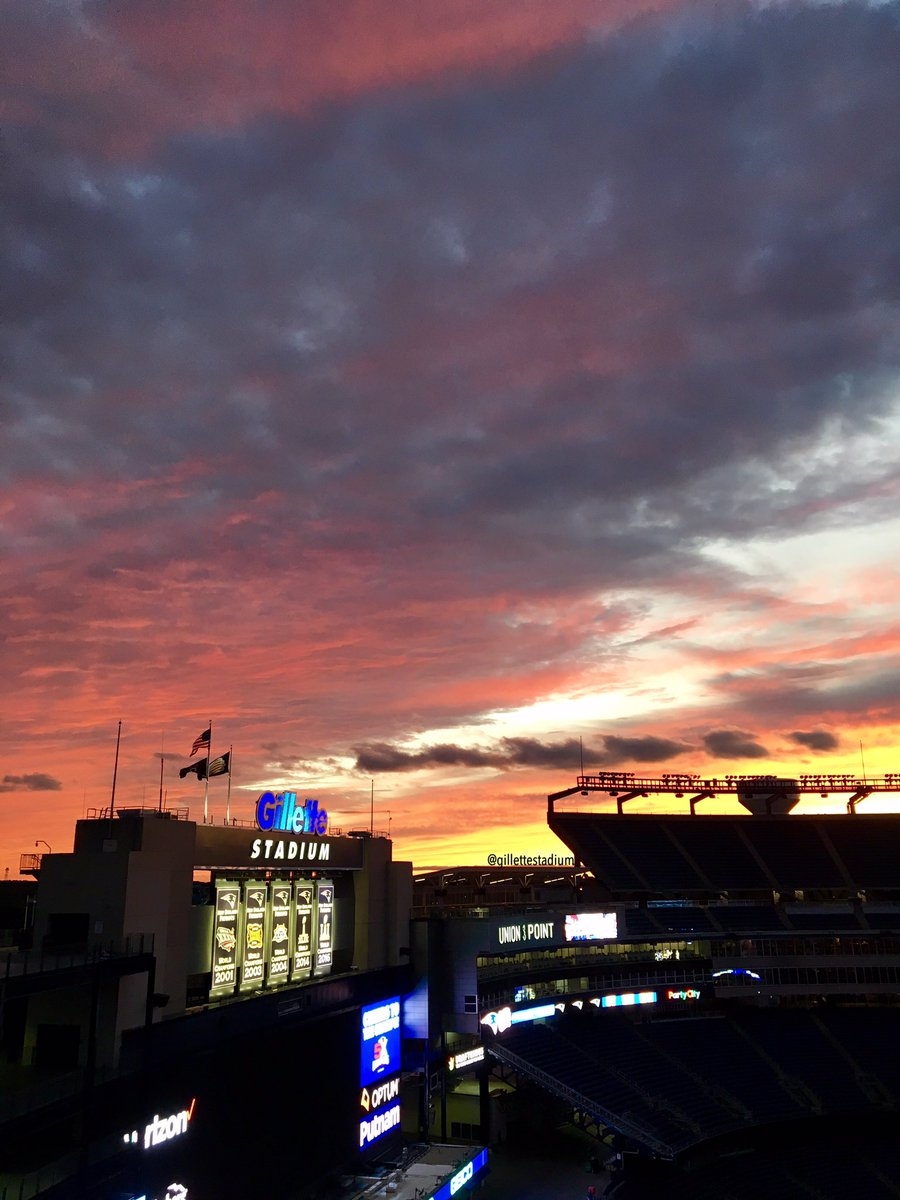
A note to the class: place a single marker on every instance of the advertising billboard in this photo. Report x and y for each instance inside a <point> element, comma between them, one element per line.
<point>374,1127</point>
<point>324,926</point>
<point>303,922</point>
<point>279,932</point>
<point>225,939</point>
<point>466,1173</point>
<point>379,1041</point>
<point>253,960</point>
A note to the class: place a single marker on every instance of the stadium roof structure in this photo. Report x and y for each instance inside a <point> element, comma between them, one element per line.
<point>697,854</point>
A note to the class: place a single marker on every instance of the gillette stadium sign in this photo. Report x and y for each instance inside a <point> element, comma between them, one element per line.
<point>280,811</point>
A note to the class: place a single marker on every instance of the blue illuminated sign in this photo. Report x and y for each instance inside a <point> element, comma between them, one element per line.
<point>626,999</point>
<point>464,1175</point>
<point>501,1020</point>
<point>379,1041</point>
<point>281,811</point>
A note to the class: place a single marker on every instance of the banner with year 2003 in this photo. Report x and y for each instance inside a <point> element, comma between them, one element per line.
<point>253,961</point>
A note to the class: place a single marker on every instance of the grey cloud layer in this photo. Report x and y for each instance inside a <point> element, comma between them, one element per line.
<point>545,335</point>
<point>716,217</point>
<point>571,755</point>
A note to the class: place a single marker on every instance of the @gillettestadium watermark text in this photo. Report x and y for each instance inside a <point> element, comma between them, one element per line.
<point>530,860</point>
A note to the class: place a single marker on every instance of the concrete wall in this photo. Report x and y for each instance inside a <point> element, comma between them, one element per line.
<point>130,878</point>
<point>383,893</point>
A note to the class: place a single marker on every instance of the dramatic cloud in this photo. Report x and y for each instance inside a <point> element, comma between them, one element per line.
<point>642,749</point>
<point>569,755</point>
<point>732,743</point>
<point>815,739</point>
<point>36,782</point>
<point>464,385</point>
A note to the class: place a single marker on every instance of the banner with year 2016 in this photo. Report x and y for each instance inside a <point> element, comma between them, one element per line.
<point>324,926</point>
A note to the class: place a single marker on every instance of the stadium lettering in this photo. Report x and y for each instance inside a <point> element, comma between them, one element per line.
<point>282,812</point>
<point>270,848</point>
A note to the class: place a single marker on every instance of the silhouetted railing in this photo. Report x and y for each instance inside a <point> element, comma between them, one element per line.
<point>18,963</point>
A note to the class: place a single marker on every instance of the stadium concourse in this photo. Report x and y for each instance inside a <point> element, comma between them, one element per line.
<point>727,1019</point>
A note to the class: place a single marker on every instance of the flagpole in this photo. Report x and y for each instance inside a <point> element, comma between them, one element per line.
<point>206,789</point>
<point>228,796</point>
<point>112,798</point>
<point>162,763</point>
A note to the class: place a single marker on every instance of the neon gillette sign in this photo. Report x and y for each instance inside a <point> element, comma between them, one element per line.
<point>280,810</point>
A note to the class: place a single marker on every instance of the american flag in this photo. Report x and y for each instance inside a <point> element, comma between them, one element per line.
<point>202,739</point>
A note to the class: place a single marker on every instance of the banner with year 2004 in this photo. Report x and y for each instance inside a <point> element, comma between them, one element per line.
<point>279,967</point>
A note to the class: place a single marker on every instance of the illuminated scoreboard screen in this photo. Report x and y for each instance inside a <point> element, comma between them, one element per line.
<point>591,927</point>
<point>379,1070</point>
<point>379,1042</point>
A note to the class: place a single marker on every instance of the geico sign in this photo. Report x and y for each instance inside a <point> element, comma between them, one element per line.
<point>372,1098</point>
<point>378,1125</point>
<point>461,1177</point>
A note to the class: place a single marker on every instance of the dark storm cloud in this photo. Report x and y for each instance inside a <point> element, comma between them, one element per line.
<point>733,743</point>
<point>815,739</point>
<point>383,758</point>
<point>642,749</point>
<point>521,752</point>
<point>37,781</point>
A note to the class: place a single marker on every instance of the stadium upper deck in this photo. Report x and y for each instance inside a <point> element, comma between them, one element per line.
<point>674,855</point>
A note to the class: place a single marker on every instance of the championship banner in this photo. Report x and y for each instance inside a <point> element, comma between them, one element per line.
<point>225,939</point>
<point>280,933</point>
<point>303,919</point>
<point>254,936</point>
<point>325,925</point>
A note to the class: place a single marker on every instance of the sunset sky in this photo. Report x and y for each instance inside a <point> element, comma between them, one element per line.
<point>418,388</point>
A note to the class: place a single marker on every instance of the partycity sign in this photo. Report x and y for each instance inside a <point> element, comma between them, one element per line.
<point>280,811</point>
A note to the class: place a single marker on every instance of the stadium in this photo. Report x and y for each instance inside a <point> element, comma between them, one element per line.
<point>716,996</point>
<point>710,1001</point>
